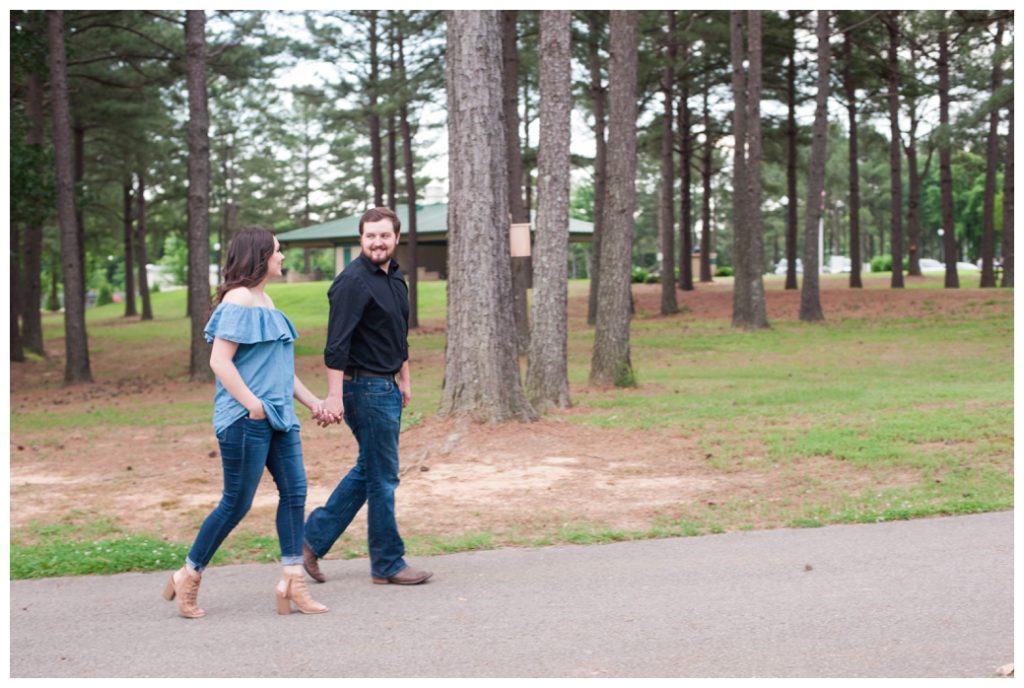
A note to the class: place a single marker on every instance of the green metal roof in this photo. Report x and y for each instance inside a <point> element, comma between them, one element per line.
<point>431,223</point>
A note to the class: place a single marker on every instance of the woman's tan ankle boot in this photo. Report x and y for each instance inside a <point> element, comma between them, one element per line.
<point>292,589</point>
<point>185,587</point>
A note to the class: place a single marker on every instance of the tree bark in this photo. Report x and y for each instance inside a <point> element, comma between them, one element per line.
<point>31,319</point>
<point>198,194</point>
<point>749,310</point>
<point>76,345</point>
<point>373,117</point>
<point>518,210</point>
<point>17,295</point>
<point>610,363</point>
<point>913,195</point>
<point>547,376</point>
<point>140,250</point>
<point>707,161</point>
<point>598,94</point>
<point>1007,280</point>
<point>791,162</point>
<point>392,122</point>
<point>945,168</point>
<point>988,232</point>
<point>78,134</point>
<point>412,269</point>
<point>810,295</point>
<point>850,87</point>
<point>129,262</point>
<point>482,377</point>
<point>666,205</point>
<point>685,177</point>
<point>895,152</point>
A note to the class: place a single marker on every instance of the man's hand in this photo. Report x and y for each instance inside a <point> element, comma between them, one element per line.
<point>333,411</point>
<point>405,387</point>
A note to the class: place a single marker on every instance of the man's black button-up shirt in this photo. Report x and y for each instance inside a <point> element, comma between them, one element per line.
<point>368,326</point>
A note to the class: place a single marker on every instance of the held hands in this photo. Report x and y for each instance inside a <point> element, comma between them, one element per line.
<point>328,411</point>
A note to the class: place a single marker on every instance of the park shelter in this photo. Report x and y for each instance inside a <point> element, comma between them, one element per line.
<point>342,235</point>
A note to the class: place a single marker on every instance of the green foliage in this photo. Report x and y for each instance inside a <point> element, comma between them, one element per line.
<point>723,271</point>
<point>884,263</point>
<point>640,275</point>
<point>175,258</point>
<point>105,294</point>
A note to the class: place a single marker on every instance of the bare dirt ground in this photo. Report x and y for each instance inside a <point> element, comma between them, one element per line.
<point>457,477</point>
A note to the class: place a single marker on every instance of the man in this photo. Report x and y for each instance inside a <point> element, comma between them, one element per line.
<point>367,358</point>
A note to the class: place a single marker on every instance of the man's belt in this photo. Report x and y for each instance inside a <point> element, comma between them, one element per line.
<point>353,373</point>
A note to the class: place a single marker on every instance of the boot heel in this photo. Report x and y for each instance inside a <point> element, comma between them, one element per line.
<point>284,605</point>
<point>169,589</point>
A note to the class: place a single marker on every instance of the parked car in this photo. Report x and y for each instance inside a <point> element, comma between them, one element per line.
<point>783,265</point>
<point>931,265</point>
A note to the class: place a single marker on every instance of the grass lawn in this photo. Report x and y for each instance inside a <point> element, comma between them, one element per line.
<point>917,396</point>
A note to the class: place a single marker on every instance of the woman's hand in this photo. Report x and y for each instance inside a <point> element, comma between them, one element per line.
<point>256,411</point>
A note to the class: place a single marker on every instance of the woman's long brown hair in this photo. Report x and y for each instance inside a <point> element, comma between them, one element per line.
<point>246,261</point>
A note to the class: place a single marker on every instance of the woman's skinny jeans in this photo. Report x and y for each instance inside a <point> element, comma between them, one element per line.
<point>246,447</point>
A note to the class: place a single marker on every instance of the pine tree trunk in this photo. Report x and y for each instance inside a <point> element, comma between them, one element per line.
<point>547,377</point>
<point>76,345</point>
<point>482,377</point>
<point>810,295</point>
<point>373,117</point>
<point>129,262</point>
<point>791,164</point>
<point>610,363</point>
<point>1007,280</point>
<point>988,231</point>
<point>198,194</point>
<point>17,295</point>
<point>895,153</point>
<point>31,319</point>
<point>140,250</point>
<point>685,178</point>
<point>78,133</point>
<point>392,161</point>
<point>913,206</point>
<point>412,269</point>
<point>597,99</point>
<point>392,123</point>
<point>707,160</point>
<point>517,209</point>
<point>748,291</point>
<point>945,168</point>
<point>666,205</point>
<point>854,173</point>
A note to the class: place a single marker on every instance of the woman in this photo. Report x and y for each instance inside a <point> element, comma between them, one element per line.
<point>254,420</point>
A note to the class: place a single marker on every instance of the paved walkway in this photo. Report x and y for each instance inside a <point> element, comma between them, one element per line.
<point>923,598</point>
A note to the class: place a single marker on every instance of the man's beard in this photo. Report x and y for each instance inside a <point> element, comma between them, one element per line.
<point>383,262</point>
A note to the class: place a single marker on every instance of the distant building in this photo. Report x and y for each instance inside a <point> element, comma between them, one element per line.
<point>431,239</point>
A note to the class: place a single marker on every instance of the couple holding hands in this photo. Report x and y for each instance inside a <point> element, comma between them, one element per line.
<point>368,385</point>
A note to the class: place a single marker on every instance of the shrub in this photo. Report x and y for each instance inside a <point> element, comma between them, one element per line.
<point>723,271</point>
<point>105,294</point>
<point>640,275</point>
<point>884,264</point>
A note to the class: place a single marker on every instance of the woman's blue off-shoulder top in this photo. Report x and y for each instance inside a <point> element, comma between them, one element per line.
<point>265,359</point>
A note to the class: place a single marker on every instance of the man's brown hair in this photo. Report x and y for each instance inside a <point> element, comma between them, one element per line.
<point>378,214</point>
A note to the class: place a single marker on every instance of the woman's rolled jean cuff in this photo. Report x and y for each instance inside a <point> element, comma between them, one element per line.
<point>291,561</point>
<point>196,567</point>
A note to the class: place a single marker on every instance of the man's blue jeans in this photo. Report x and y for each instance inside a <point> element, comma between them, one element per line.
<point>246,448</point>
<point>373,411</point>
